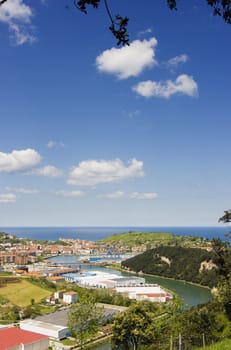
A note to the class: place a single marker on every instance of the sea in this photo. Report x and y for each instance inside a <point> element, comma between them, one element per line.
<point>95,233</point>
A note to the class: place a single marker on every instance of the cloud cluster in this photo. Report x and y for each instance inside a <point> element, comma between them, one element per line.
<point>17,15</point>
<point>49,170</point>
<point>70,194</point>
<point>93,172</point>
<point>173,62</point>
<point>86,173</point>
<point>7,198</point>
<point>128,61</point>
<point>54,144</point>
<point>133,195</point>
<point>19,161</point>
<point>184,84</point>
<point>22,190</point>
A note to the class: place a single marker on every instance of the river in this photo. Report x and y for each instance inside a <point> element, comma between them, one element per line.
<point>190,294</point>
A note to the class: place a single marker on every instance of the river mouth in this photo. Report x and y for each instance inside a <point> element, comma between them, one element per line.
<point>190,294</point>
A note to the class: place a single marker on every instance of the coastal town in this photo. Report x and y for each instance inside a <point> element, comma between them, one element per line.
<point>24,251</point>
<point>24,258</point>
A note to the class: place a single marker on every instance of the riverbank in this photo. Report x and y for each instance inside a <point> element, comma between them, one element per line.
<point>118,268</point>
<point>191,295</point>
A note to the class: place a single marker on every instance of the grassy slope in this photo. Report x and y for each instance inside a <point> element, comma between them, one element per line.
<point>22,292</point>
<point>223,345</point>
<point>137,238</point>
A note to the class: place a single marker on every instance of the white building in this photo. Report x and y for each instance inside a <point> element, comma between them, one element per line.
<point>51,330</point>
<point>99,279</point>
<point>152,292</point>
<point>70,297</point>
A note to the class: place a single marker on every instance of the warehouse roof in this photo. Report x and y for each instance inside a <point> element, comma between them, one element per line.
<point>13,336</point>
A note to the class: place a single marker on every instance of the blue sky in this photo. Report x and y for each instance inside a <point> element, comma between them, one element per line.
<point>95,134</point>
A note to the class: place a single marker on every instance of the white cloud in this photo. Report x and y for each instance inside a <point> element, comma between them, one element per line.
<point>20,35</point>
<point>54,144</point>
<point>22,190</point>
<point>49,170</point>
<point>132,195</point>
<point>114,195</point>
<point>19,161</point>
<point>173,62</point>
<point>144,32</point>
<point>129,60</point>
<point>17,15</point>
<point>133,114</point>
<point>184,84</point>
<point>7,198</point>
<point>92,172</point>
<point>70,194</point>
<point>146,195</point>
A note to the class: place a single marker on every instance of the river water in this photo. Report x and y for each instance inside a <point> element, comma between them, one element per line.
<point>190,294</point>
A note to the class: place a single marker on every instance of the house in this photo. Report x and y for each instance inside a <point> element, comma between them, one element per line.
<point>70,297</point>
<point>59,294</point>
<point>18,339</point>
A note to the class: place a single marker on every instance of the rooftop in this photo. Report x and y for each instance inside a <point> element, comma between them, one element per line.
<point>13,336</point>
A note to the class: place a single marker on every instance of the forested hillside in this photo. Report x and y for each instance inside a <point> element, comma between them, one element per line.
<point>189,264</point>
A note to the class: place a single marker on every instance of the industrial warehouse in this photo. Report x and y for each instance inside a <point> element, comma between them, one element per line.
<point>133,287</point>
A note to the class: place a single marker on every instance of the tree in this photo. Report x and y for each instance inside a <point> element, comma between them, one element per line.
<point>133,327</point>
<point>226,217</point>
<point>84,318</point>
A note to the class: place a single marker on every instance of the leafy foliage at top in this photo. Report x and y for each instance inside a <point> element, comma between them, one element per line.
<point>119,23</point>
<point>221,8</point>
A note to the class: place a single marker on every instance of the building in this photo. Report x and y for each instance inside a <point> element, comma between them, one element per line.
<point>97,279</point>
<point>50,330</point>
<point>151,292</point>
<point>13,258</point>
<point>17,339</point>
<point>59,294</point>
<point>70,297</point>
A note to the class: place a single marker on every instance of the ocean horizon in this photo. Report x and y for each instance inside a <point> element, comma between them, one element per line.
<point>95,233</point>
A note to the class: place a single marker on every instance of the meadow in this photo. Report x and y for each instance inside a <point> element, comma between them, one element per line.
<point>23,292</point>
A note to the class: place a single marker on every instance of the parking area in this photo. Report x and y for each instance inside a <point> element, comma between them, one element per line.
<point>60,317</point>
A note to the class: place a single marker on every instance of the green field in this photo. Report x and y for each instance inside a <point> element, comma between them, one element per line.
<point>22,292</point>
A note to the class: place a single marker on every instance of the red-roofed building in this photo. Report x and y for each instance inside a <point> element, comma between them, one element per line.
<point>17,339</point>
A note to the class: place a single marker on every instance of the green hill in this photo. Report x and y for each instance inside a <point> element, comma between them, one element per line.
<point>189,264</point>
<point>135,238</point>
<point>151,240</point>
